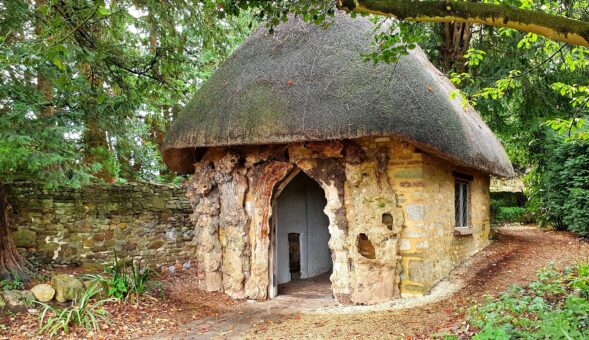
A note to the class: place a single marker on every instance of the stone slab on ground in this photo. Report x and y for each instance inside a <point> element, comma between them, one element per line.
<point>15,298</point>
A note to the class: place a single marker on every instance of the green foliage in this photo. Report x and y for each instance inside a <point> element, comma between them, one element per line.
<point>104,162</point>
<point>86,312</point>
<point>89,88</point>
<point>392,40</point>
<point>118,285</point>
<point>511,214</point>
<point>555,306</point>
<point>504,209</point>
<point>559,185</point>
<point>521,82</point>
<point>140,279</point>
<point>14,283</point>
<point>271,13</point>
<point>125,282</point>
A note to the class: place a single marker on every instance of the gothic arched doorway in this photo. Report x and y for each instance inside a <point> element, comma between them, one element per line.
<point>300,233</point>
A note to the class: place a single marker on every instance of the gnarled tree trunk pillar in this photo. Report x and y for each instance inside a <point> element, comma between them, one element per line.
<point>266,177</point>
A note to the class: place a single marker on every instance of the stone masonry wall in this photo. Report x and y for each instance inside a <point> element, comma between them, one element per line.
<point>87,226</point>
<point>390,207</point>
<point>422,187</point>
<point>444,249</point>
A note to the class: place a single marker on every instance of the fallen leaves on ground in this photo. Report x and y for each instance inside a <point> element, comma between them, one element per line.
<point>183,302</point>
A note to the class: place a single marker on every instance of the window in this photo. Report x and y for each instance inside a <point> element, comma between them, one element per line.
<point>461,201</point>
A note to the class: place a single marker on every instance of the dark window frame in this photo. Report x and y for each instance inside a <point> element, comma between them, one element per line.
<point>462,205</point>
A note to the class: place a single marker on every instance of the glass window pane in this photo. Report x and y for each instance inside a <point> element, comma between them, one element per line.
<point>464,204</point>
<point>457,203</point>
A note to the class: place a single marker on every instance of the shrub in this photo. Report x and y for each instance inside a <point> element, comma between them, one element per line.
<point>511,214</point>
<point>503,211</point>
<point>559,185</point>
<point>495,205</point>
<point>83,312</point>
<point>555,306</point>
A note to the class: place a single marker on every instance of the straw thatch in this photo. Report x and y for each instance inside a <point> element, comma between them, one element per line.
<point>308,83</point>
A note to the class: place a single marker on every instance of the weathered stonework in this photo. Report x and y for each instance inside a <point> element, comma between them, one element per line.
<point>390,208</point>
<point>87,226</point>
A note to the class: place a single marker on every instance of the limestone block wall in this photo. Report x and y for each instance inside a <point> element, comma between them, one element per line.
<point>443,249</point>
<point>88,225</point>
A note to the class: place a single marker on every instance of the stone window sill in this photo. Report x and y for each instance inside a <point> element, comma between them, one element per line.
<point>463,231</point>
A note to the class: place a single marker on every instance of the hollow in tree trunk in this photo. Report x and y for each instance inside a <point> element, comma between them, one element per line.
<point>12,263</point>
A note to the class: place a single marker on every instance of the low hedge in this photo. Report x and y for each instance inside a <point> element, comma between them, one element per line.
<point>511,214</point>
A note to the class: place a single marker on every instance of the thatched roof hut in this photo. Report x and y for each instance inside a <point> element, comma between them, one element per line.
<point>309,160</point>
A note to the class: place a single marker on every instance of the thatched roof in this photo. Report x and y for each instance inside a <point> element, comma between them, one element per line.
<point>308,83</point>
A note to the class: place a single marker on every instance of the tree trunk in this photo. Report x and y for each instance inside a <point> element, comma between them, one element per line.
<point>455,42</point>
<point>44,85</point>
<point>11,262</point>
<point>551,26</point>
<point>96,148</point>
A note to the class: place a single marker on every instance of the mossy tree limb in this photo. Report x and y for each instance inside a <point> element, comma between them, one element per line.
<point>553,27</point>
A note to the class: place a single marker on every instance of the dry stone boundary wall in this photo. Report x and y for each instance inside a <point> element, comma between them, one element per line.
<point>87,226</point>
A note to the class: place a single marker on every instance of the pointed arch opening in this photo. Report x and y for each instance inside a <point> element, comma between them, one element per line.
<point>300,257</point>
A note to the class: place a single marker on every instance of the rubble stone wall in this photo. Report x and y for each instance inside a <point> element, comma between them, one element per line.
<point>87,226</point>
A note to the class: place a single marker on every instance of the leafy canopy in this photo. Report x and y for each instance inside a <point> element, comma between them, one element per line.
<point>89,87</point>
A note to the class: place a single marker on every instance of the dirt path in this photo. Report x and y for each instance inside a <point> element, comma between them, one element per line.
<point>513,259</point>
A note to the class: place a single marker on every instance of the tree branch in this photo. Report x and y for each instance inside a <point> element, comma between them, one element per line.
<point>551,26</point>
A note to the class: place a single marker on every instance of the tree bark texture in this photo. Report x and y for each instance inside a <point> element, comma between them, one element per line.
<point>455,43</point>
<point>44,85</point>
<point>11,262</point>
